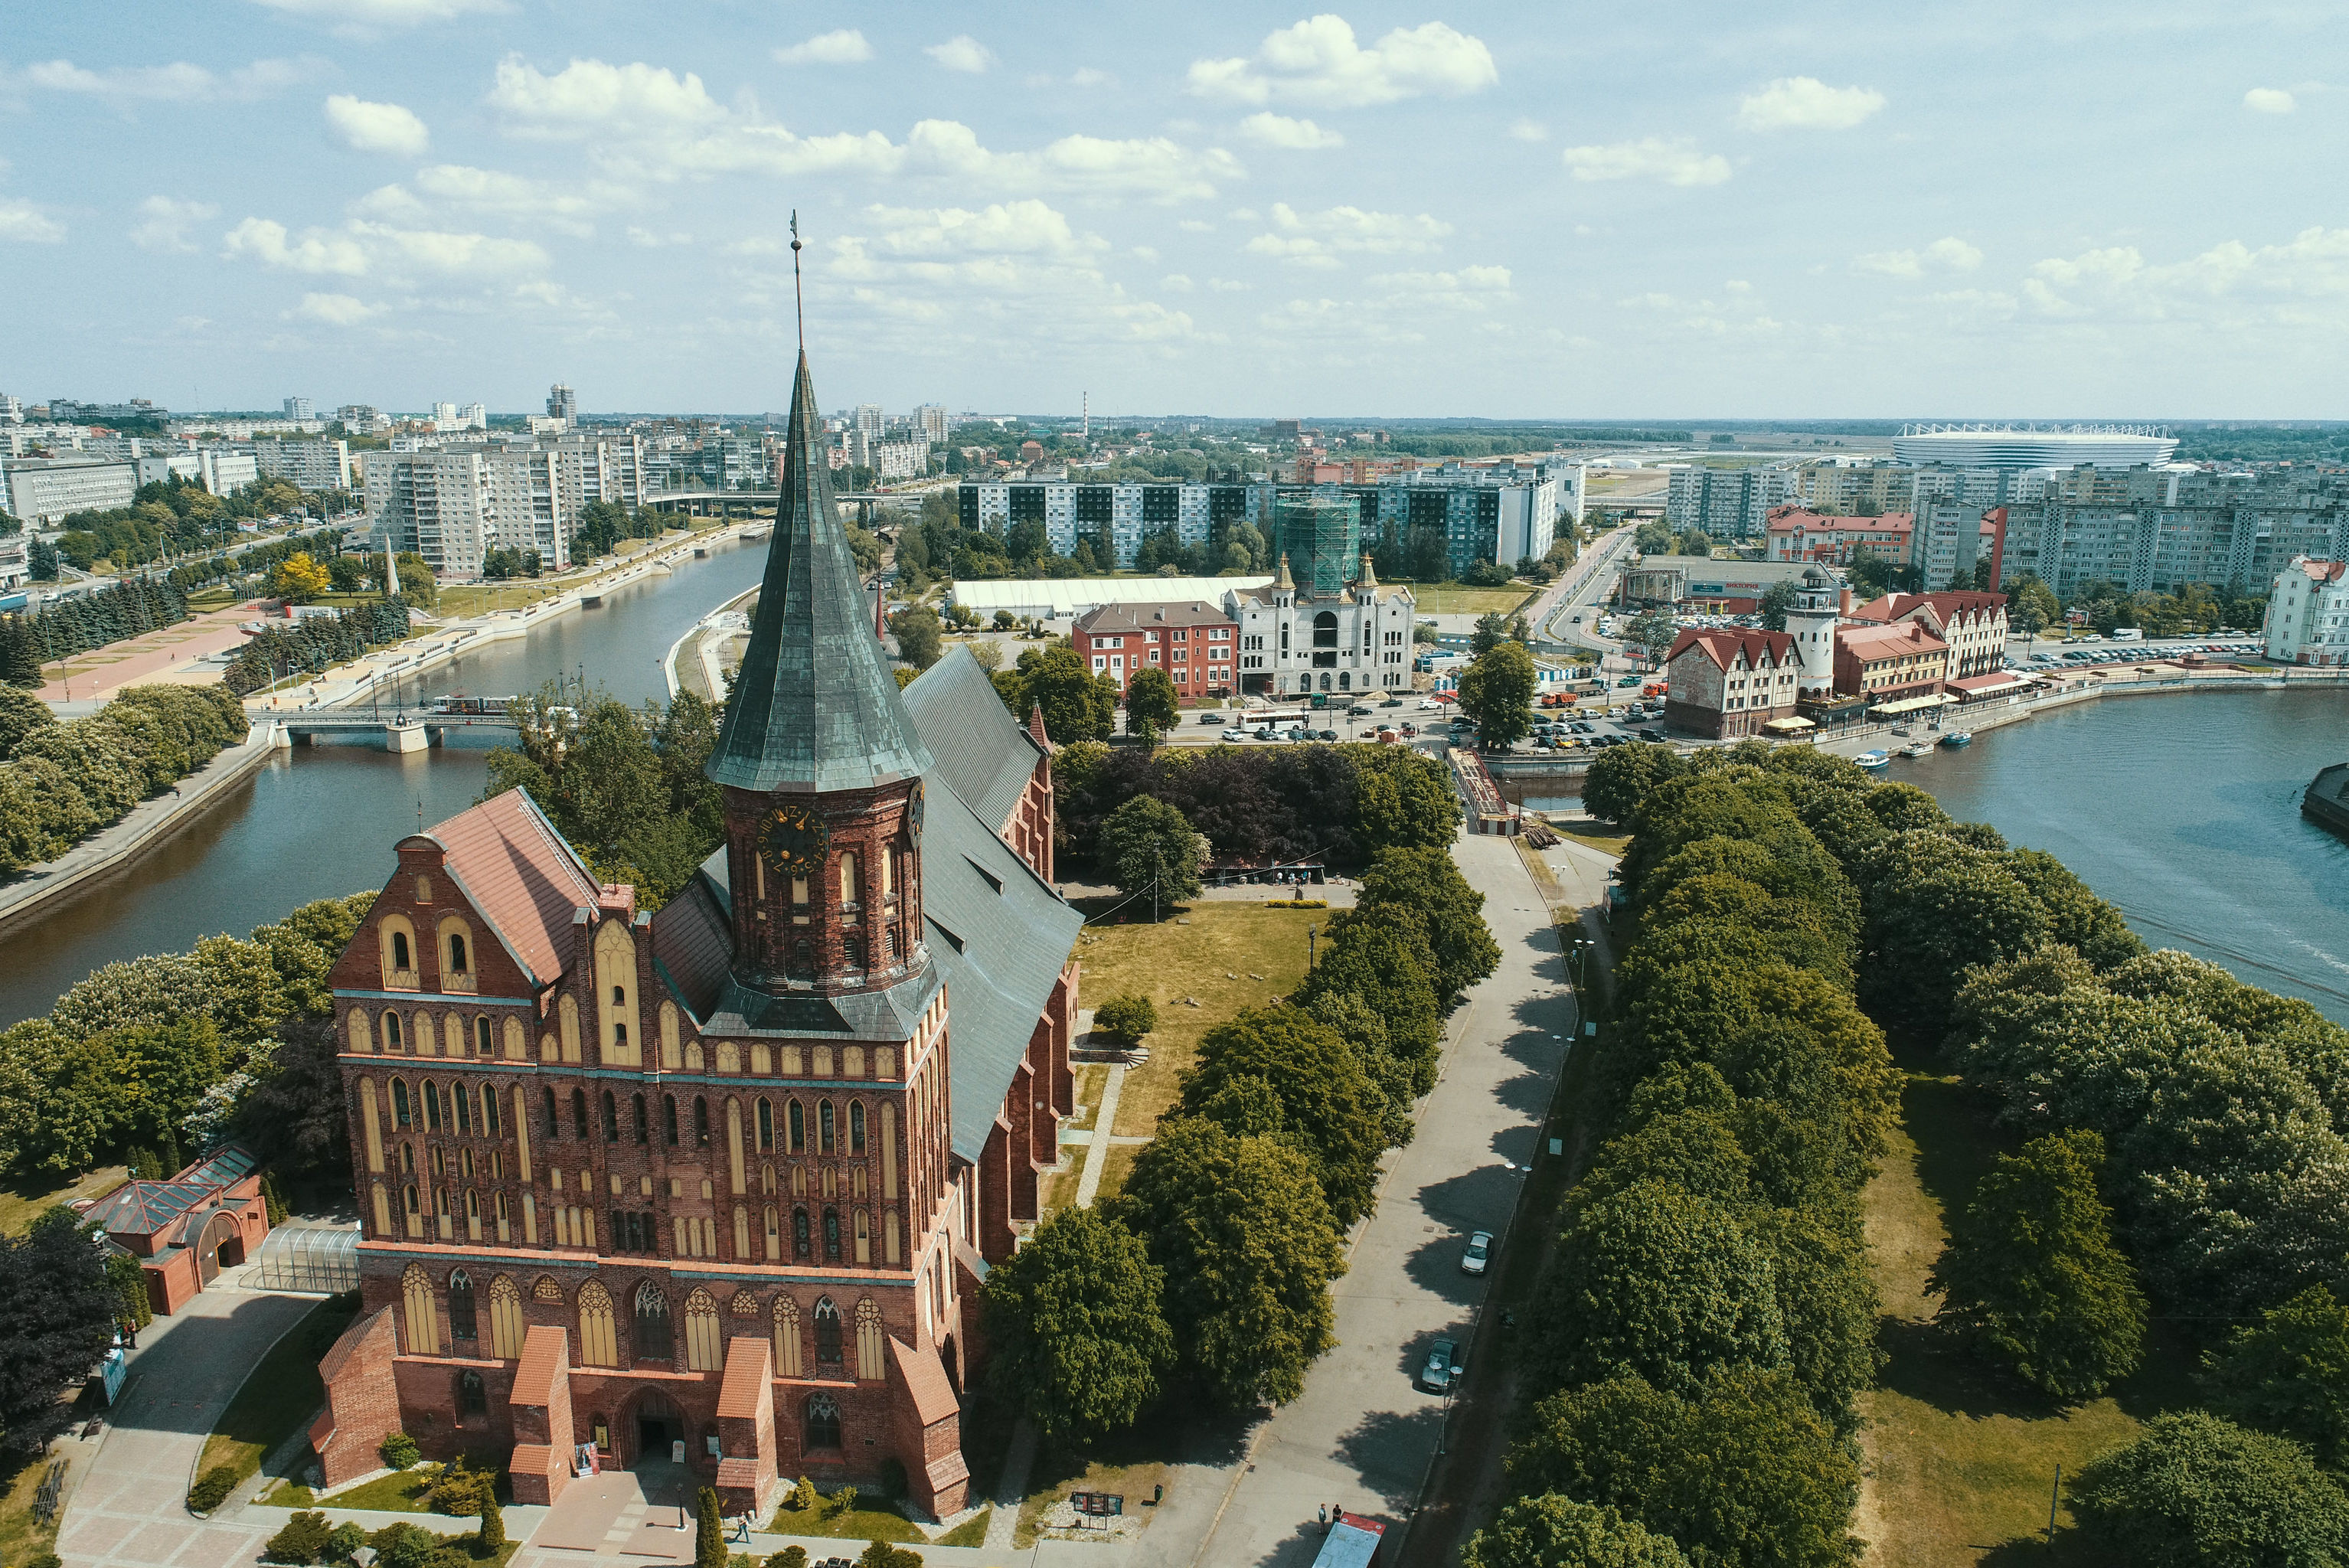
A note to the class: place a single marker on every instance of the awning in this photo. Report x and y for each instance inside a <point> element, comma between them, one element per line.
<point>1916,704</point>
<point>1990,685</point>
<point>1790,726</point>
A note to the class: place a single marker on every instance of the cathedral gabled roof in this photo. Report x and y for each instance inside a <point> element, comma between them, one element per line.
<point>983,759</point>
<point>815,707</point>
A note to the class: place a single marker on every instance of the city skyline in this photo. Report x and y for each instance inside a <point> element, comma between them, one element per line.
<point>1408,210</point>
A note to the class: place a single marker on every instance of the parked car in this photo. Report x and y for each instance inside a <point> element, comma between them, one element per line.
<point>1442,1366</point>
<point>1428,704</point>
<point>1328,735</point>
<point>1236,735</point>
<point>1263,732</point>
<point>1479,1249</point>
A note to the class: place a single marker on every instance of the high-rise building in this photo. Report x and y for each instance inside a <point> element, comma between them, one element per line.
<point>930,420</point>
<point>561,403</point>
<point>868,420</point>
<point>320,465</point>
<point>2308,613</point>
<point>1726,503</point>
<point>300,408</point>
<point>2157,529</point>
<point>444,413</point>
<point>474,416</point>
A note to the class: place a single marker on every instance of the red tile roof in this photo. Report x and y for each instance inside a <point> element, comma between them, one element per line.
<point>925,1380</point>
<point>1787,519</point>
<point>1949,602</point>
<point>1722,644</point>
<point>545,1356</point>
<point>525,879</point>
<point>1865,642</point>
<point>749,1367</point>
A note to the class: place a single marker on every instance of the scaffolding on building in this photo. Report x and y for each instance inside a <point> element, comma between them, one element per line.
<point>311,1259</point>
<point>1321,534</point>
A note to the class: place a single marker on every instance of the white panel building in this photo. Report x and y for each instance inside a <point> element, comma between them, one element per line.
<point>2308,613</point>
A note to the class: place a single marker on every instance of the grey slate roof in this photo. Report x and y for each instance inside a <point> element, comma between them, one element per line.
<point>955,709</point>
<point>815,707</point>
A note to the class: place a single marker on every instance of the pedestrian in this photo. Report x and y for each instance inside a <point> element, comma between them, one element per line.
<point>1321,1517</point>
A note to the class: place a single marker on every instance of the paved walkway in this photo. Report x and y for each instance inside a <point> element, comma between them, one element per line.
<point>1363,1435</point>
<point>150,657</point>
<point>1097,1150</point>
<point>129,1508</point>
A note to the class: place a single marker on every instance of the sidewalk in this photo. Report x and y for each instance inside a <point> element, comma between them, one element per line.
<point>151,656</point>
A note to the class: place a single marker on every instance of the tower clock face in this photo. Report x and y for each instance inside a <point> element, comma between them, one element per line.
<point>792,839</point>
<point>914,806</point>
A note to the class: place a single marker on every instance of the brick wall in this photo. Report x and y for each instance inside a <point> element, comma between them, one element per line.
<point>362,1399</point>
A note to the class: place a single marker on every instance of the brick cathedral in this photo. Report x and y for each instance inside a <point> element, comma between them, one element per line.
<point>725,1176</point>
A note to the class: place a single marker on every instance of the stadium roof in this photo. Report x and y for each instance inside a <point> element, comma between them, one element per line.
<point>2021,446</point>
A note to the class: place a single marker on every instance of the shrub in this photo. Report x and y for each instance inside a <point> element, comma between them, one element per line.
<point>789,1557</point>
<point>304,1539</point>
<point>211,1488</point>
<point>805,1498</point>
<point>491,1538</point>
<point>460,1491</point>
<point>845,1501</point>
<point>2195,1488</point>
<point>45,1560</point>
<point>1126,1018</point>
<point>399,1451</point>
<point>344,1540</point>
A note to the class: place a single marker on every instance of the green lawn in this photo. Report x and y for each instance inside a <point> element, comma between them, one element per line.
<point>1452,599</point>
<point>971,1531</point>
<point>1211,961</point>
<point>1960,1461</point>
<point>283,1392</point>
<point>402,1492</point>
<point>26,1201</point>
<point>856,1525</point>
<point>1126,1464</point>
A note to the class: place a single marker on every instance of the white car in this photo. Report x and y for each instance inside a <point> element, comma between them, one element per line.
<point>1429,705</point>
<point>1236,735</point>
<point>1478,1253</point>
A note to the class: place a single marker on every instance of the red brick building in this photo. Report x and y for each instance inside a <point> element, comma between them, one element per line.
<point>1190,640</point>
<point>1727,682</point>
<point>725,1174</point>
<point>1889,663</point>
<point>184,1232</point>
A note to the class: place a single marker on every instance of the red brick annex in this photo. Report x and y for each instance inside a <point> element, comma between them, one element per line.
<point>722,1177</point>
<point>184,1230</point>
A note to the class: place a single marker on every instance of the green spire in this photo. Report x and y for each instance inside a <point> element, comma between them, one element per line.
<point>815,707</point>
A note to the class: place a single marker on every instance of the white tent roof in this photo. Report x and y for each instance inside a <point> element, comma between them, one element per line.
<point>1072,596</point>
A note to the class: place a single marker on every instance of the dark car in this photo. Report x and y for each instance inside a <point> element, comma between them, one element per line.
<point>1442,1367</point>
<point>1328,734</point>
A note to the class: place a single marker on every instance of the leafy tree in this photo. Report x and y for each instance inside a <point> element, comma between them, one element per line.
<point>1552,1531</point>
<point>1407,803</point>
<point>1492,631</point>
<point>417,585</point>
<point>1148,845</point>
<point>1076,1338</point>
<point>1743,1472</point>
<point>1497,691</point>
<point>2032,606</point>
<point>708,1532</point>
<point>57,1311</point>
<point>919,638</point>
<point>1150,699</point>
<point>2196,1489</point>
<point>1653,538</point>
<point>1328,1106</point>
<point>298,579</point>
<point>880,1554</point>
<point>1620,779</point>
<point>20,666</point>
<point>1934,906</point>
<point>21,714</point>
<point>1246,1239</point>
<point>1126,1018</point>
<point>1651,631</point>
<point>302,1540</point>
<point>2290,1373</point>
<point>490,1537</point>
<point>2032,1276</point>
<point>1424,890</point>
<point>1078,704</point>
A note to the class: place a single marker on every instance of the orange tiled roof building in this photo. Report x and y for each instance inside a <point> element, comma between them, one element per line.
<point>722,1178</point>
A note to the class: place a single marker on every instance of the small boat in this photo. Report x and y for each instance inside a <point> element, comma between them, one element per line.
<point>1915,749</point>
<point>1956,738</point>
<point>1873,759</point>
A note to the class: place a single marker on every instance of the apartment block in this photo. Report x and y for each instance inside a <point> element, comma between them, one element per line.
<point>1726,503</point>
<point>43,492</point>
<point>2156,530</point>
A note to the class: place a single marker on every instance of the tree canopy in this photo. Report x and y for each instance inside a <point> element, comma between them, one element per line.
<point>1497,691</point>
<point>1075,1334</point>
<point>1148,847</point>
<point>2195,1488</point>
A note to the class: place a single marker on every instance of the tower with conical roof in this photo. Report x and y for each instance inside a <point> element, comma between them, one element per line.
<point>820,766</point>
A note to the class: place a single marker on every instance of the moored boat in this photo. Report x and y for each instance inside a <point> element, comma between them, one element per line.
<point>1916,748</point>
<point>1956,738</point>
<point>1873,759</point>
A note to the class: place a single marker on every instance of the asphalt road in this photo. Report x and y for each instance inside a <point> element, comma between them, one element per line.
<point>1363,1435</point>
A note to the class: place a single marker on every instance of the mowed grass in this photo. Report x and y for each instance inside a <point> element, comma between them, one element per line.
<point>27,1200</point>
<point>1211,961</point>
<point>283,1392</point>
<point>1452,599</point>
<point>855,1524</point>
<point>1959,1462</point>
<point>1122,1464</point>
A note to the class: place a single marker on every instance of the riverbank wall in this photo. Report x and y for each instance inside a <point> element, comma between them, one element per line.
<point>148,824</point>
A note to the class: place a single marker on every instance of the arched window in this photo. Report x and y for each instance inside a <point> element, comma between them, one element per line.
<point>824,1136</point>
<point>457,964</point>
<point>787,1337</point>
<point>461,1306</point>
<point>774,1233</point>
<point>802,954</point>
<point>411,1199</point>
<point>619,995</point>
<point>611,1119</point>
<point>401,1114</point>
<point>1325,629</point>
<point>598,1345</point>
<point>490,1109</point>
<point>399,960</point>
<point>868,1340</point>
<point>856,1127</point>
<point>506,1321</point>
<point>579,1114</point>
<point>655,1340</point>
<point>485,1038</point>
<point>798,1129</point>
<point>554,1122</point>
<point>390,1031</point>
<point>831,1234</point>
<point>473,1395</point>
<point>431,1106</point>
<point>704,1345</point>
<point>893,942</point>
<point>823,1415</point>
<point>464,1108</point>
<point>852,951</point>
<point>669,1117</point>
<point>864,1237</point>
<point>766,1127</point>
<point>643,1131</point>
<point>407,1160</point>
<point>800,1237</point>
<point>416,1304</point>
<point>827,1332</point>
<point>700,1122</point>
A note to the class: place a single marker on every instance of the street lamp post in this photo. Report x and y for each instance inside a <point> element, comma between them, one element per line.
<point>1310,931</point>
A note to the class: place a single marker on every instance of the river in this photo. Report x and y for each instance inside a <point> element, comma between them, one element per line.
<point>320,821</point>
<point>2183,812</point>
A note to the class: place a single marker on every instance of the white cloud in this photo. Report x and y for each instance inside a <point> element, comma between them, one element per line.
<point>650,240</point>
<point>361,249</point>
<point>1944,255</point>
<point>334,309</point>
<point>1317,62</point>
<point>1807,103</point>
<point>164,222</point>
<point>1460,288</point>
<point>1176,281</point>
<point>179,82</point>
<point>1196,226</point>
<point>1087,76</point>
<point>25,224</point>
<point>1270,130</point>
<point>1318,239</point>
<point>2301,283</point>
<point>643,121</point>
<point>368,14</point>
<point>1675,162</point>
<point>1028,228</point>
<point>1529,130</point>
<point>2269,101</point>
<point>841,46</point>
<point>962,53</point>
<point>376,126</point>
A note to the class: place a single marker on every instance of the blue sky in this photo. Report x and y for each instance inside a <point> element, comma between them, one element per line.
<point>1863,211</point>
